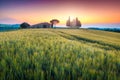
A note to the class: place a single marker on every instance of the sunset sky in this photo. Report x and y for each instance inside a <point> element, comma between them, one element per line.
<point>36,11</point>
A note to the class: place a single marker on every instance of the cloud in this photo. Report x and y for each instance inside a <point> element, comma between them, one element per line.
<point>9,21</point>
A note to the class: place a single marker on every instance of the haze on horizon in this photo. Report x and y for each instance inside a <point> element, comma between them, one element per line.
<point>36,11</point>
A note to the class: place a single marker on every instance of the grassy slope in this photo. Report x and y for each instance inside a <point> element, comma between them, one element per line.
<point>59,54</point>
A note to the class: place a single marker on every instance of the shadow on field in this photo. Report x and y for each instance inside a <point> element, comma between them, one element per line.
<point>103,45</point>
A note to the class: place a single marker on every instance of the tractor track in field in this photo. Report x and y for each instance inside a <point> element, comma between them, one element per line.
<point>103,45</point>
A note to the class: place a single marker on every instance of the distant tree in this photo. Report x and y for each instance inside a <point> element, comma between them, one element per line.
<point>24,25</point>
<point>54,22</point>
<point>68,22</point>
<point>78,23</point>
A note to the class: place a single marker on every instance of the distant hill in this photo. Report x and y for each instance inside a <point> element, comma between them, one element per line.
<point>106,29</point>
<point>5,27</point>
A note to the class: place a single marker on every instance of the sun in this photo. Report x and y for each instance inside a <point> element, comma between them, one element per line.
<point>72,17</point>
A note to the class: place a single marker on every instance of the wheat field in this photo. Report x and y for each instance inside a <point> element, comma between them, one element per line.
<point>59,54</point>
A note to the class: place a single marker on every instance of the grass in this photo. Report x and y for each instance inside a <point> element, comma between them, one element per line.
<point>59,54</point>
